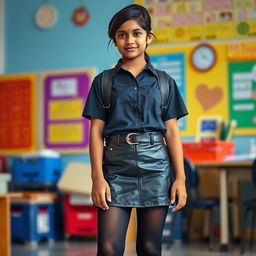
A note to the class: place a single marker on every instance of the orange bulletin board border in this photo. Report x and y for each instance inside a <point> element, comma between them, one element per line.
<point>64,93</point>
<point>17,117</point>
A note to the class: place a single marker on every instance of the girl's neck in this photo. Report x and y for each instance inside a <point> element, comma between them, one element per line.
<point>134,66</point>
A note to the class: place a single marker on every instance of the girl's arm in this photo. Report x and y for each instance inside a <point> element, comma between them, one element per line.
<point>100,187</point>
<point>174,145</point>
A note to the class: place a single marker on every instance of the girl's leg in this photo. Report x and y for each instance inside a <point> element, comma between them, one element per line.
<point>112,227</point>
<point>150,224</point>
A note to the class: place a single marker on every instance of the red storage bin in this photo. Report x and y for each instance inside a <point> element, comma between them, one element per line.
<point>208,150</point>
<point>79,219</point>
<point>3,166</point>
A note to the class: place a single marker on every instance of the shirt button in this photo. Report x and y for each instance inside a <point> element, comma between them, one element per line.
<point>137,124</point>
<point>135,87</point>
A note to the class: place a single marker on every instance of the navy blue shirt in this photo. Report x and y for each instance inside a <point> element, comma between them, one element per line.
<point>135,102</point>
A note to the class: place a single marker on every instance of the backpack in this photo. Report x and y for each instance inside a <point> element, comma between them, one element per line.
<point>106,86</point>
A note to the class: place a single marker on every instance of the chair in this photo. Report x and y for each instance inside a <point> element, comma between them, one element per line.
<point>195,201</point>
<point>249,206</point>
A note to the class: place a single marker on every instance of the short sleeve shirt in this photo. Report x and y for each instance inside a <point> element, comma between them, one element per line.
<point>135,102</point>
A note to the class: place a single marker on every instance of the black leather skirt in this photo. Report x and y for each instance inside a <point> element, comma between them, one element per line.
<point>138,170</point>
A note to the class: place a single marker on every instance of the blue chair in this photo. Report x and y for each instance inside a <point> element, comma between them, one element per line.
<point>195,201</point>
<point>249,206</point>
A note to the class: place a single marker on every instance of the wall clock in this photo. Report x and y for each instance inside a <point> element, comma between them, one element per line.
<point>203,57</point>
<point>45,16</point>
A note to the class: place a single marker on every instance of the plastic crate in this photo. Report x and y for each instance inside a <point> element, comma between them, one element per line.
<point>208,150</point>
<point>79,219</point>
<point>32,222</point>
<point>34,217</point>
<point>36,170</point>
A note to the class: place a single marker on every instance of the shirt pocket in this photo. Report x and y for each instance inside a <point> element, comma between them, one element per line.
<point>121,95</point>
<point>154,100</point>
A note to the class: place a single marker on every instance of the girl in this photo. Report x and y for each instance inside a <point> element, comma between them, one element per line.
<point>130,143</point>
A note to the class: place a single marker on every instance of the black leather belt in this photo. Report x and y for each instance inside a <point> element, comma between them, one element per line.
<point>133,138</point>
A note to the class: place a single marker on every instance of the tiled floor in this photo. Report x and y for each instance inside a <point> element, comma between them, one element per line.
<point>88,248</point>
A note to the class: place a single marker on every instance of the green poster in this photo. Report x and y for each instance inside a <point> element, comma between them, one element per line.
<point>242,93</point>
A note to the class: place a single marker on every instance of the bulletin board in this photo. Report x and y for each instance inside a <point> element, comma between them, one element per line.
<point>64,94</point>
<point>228,89</point>
<point>242,95</point>
<point>176,21</point>
<point>17,116</point>
<point>206,92</point>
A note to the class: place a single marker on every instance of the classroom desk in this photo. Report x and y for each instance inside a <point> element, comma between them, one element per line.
<point>237,171</point>
<point>5,241</point>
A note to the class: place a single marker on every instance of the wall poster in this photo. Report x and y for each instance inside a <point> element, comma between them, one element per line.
<point>174,65</point>
<point>64,95</point>
<point>17,116</point>
<point>242,95</point>
<point>195,20</point>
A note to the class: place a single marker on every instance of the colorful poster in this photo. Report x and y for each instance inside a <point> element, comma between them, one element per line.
<point>174,65</point>
<point>196,20</point>
<point>17,116</point>
<point>242,95</point>
<point>64,95</point>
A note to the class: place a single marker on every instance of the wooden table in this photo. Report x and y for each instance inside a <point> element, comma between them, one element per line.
<point>5,241</point>
<point>235,170</point>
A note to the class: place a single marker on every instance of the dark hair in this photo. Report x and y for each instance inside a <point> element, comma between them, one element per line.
<point>130,12</point>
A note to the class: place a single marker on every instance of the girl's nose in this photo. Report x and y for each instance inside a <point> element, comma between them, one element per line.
<point>130,39</point>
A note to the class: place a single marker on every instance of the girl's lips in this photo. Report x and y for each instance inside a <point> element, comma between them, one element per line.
<point>130,48</point>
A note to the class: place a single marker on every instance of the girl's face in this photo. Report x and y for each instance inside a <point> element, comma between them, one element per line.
<point>132,40</point>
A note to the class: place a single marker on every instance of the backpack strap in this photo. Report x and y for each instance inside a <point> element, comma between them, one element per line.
<point>106,86</point>
<point>164,87</point>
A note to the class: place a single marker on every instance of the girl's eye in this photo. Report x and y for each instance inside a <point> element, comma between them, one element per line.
<point>136,34</point>
<point>121,35</point>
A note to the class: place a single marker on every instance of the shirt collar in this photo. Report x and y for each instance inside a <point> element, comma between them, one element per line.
<point>118,66</point>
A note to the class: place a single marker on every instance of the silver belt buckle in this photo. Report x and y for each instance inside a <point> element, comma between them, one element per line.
<point>128,139</point>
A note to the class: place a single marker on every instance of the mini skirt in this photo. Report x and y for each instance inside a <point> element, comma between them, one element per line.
<point>138,170</point>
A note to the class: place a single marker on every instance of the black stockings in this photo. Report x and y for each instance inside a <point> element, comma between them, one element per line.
<point>112,227</point>
<point>150,228</point>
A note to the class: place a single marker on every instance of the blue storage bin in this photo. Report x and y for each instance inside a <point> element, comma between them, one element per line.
<point>174,231</point>
<point>36,170</point>
<point>32,222</point>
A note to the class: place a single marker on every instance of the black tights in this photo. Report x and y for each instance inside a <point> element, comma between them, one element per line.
<point>112,227</point>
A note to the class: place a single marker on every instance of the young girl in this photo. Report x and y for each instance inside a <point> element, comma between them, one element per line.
<point>133,142</point>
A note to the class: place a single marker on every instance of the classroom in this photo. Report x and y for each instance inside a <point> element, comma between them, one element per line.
<point>52,51</point>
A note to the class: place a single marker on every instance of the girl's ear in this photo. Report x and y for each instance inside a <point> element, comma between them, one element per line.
<point>150,37</point>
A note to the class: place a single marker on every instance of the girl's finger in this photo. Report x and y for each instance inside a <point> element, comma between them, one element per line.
<point>96,200</point>
<point>173,196</point>
<point>108,195</point>
<point>181,203</point>
<point>103,203</point>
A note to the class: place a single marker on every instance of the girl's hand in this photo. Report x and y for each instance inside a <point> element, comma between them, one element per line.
<point>101,193</point>
<point>178,191</point>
